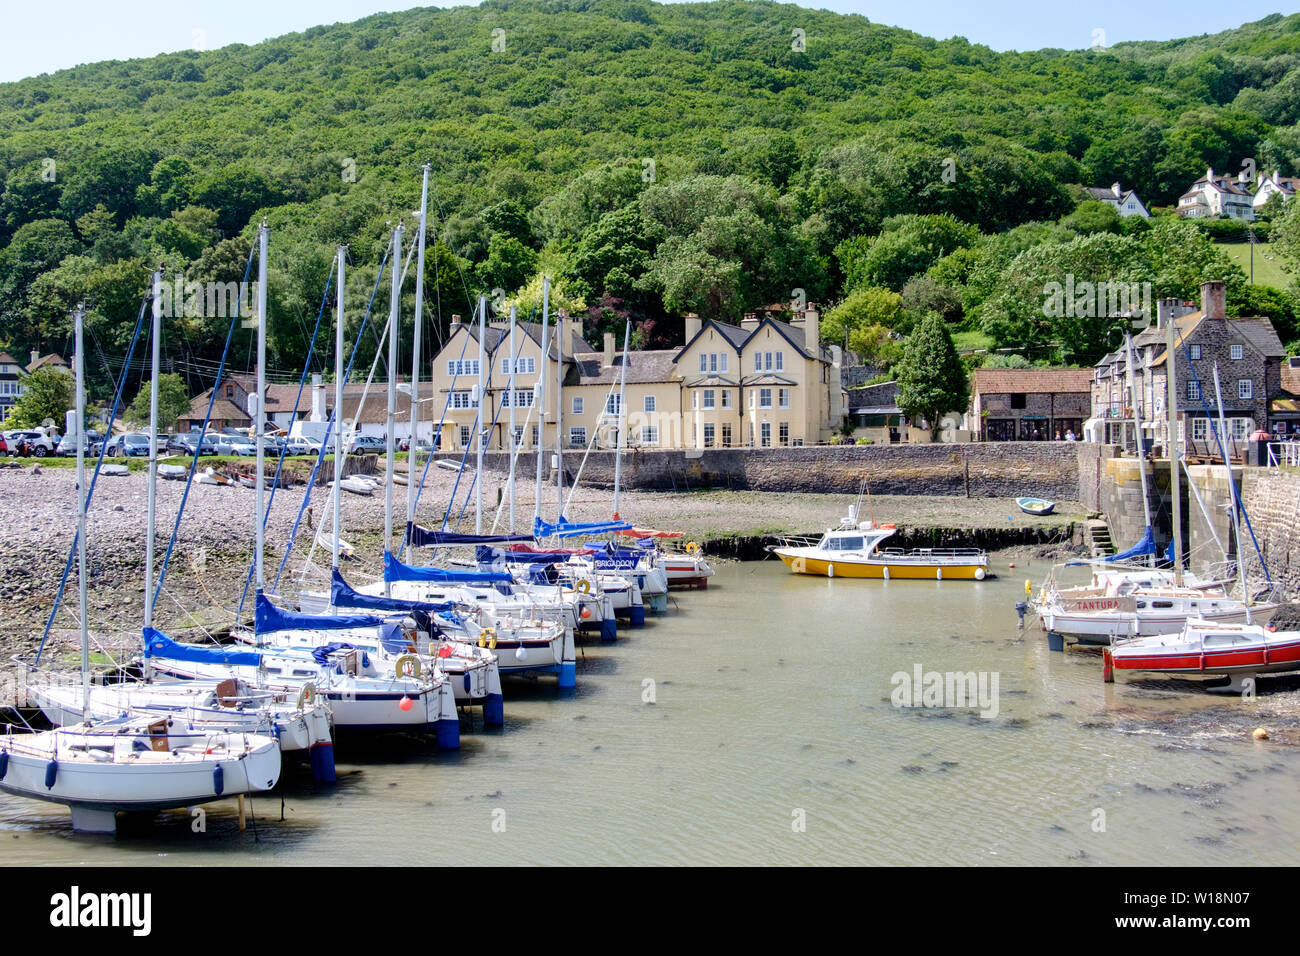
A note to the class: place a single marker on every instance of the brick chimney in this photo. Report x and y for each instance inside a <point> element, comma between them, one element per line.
<point>693,326</point>
<point>609,349</point>
<point>1214,300</point>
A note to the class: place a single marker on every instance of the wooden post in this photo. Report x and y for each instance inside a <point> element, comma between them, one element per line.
<point>242,825</point>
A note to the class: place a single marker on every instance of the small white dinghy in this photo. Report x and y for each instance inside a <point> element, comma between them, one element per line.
<point>173,472</point>
<point>114,470</point>
<point>326,541</point>
<point>357,485</point>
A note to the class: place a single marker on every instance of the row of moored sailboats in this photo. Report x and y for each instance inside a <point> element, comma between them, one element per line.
<point>435,635</point>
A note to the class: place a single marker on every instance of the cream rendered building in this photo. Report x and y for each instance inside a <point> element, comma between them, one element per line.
<point>764,383</point>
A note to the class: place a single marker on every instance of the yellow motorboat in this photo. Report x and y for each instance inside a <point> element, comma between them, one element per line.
<point>853,551</point>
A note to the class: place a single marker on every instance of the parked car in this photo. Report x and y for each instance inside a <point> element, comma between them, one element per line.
<point>131,445</point>
<point>186,442</point>
<point>367,445</point>
<point>68,445</point>
<point>28,443</point>
<point>298,445</point>
<point>235,445</point>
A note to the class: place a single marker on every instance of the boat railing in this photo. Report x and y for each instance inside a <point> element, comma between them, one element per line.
<point>799,541</point>
<point>931,552</point>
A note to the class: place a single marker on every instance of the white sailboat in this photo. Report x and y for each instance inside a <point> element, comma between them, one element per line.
<point>200,706</point>
<point>98,769</point>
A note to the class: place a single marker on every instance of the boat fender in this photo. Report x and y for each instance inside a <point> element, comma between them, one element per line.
<point>307,696</point>
<point>692,548</point>
<point>830,570</point>
<point>218,780</point>
<point>408,665</point>
<point>365,660</point>
<point>4,763</point>
<point>51,774</point>
<point>1029,587</point>
<point>980,574</point>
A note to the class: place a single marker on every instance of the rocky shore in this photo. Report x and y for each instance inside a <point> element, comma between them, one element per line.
<point>213,546</point>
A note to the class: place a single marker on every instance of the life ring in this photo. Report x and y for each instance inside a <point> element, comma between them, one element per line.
<point>692,548</point>
<point>307,696</point>
<point>488,638</point>
<point>407,662</point>
<point>584,587</point>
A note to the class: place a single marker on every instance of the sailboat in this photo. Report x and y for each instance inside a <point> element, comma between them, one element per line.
<point>201,706</point>
<point>1237,649</point>
<point>1128,607</point>
<point>128,763</point>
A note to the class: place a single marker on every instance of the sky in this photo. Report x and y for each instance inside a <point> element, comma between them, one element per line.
<point>44,37</point>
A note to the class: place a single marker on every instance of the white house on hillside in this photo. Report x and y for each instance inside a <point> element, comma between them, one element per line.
<point>1214,195</point>
<point>1126,202</point>
<point>1277,183</point>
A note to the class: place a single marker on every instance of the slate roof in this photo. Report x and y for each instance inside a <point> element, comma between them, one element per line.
<point>643,367</point>
<point>1002,381</point>
<point>495,335</point>
<point>882,396</point>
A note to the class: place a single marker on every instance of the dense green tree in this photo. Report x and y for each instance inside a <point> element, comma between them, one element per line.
<point>931,378</point>
<point>173,402</point>
<point>47,394</point>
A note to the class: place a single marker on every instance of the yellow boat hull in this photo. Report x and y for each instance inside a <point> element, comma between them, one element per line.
<point>882,569</point>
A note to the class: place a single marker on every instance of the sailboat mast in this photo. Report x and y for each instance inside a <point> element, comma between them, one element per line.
<point>152,506</point>
<point>480,420</point>
<point>1173,445</point>
<point>1236,526</point>
<point>394,316</point>
<point>512,444</point>
<point>1137,431</point>
<point>560,325</point>
<point>337,491</point>
<point>415,349</point>
<point>622,419</point>
<point>79,318</point>
<point>259,405</point>
<point>540,400</point>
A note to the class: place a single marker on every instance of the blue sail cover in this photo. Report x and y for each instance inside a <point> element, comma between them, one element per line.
<point>493,556</point>
<point>343,595</point>
<point>568,529</point>
<point>419,537</point>
<point>1146,546</point>
<point>158,644</point>
<point>395,570</point>
<point>270,618</point>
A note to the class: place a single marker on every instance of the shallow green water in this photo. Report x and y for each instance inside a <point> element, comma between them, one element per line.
<point>772,703</point>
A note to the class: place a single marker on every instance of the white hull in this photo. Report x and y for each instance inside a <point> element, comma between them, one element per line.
<point>100,773</point>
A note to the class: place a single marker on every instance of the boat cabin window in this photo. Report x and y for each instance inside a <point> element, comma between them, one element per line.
<point>844,544</point>
<point>1162,604</point>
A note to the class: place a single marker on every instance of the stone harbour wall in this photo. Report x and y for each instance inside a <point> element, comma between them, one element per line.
<point>1055,470</point>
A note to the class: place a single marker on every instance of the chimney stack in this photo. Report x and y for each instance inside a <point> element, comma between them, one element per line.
<point>693,326</point>
<point>1166,312</point>
<point>609,349</point>
<point>1214,300</point>
<point>812,329</point>
<point>318,399</point>
<point>1116,190</point>
<point>455,319</point>
<point>750,322</point>
<point>35,356</point>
